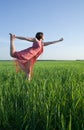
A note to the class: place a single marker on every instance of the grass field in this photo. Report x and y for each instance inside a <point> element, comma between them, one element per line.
<point>53,100</point>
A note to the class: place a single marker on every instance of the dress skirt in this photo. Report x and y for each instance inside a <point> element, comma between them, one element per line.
<point>28,56</point>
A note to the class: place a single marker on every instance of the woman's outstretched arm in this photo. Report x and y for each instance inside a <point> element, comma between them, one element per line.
<point>52,42</point>
<point>25,38</point>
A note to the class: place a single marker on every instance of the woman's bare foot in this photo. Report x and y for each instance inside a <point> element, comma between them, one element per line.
<point>28,76</point>
<point>12,37</point>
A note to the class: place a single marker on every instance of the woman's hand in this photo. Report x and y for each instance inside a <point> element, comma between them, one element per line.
<point>61,39</point>
<point>12,36</point>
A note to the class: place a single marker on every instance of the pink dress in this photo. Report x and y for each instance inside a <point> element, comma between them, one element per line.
<point>28,55</point>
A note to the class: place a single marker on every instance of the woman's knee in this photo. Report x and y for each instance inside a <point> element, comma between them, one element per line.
<point>11,54</point>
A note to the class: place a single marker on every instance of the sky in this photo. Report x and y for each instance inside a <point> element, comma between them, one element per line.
<point>55,18</point>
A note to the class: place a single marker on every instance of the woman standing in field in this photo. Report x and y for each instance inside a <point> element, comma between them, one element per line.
<point>27,57</point>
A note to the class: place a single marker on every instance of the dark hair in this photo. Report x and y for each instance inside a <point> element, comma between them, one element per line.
<point>39,35</point>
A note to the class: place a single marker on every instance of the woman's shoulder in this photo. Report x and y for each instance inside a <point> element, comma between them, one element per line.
<point>36,40</point>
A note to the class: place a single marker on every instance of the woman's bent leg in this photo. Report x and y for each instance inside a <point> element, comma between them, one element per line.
<point>12,47</point>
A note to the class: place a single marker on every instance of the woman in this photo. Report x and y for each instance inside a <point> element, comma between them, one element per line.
<point>27,57</point>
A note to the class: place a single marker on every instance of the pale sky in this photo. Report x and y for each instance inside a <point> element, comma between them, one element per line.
<point>55,18</point>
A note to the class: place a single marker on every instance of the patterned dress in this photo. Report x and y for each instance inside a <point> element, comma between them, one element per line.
<point>28,55</point>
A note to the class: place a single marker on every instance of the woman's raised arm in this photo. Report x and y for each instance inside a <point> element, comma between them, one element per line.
<point>52,42</point>
<point>25,38</point>
<point>22,38</point>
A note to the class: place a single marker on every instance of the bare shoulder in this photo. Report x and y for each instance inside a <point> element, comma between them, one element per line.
<point>35,40</point>
<point>31,39</point>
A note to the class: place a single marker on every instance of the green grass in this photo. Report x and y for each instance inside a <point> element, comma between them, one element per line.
<point>53,100</point>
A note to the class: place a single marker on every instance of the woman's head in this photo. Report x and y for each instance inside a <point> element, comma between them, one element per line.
<point>39,35</point>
